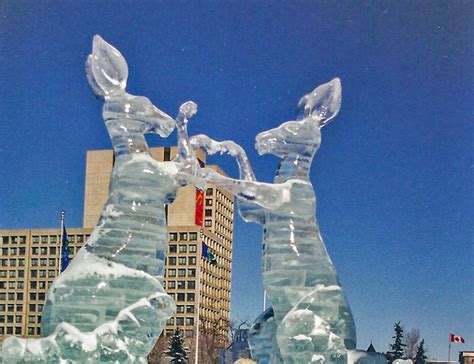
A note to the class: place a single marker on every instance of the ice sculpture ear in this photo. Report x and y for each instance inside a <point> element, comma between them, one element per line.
<point>323,103</point>
<point>106,69</point>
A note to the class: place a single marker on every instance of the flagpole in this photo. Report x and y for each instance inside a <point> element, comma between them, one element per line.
<point>198,309</point>
<point>61,240</point>
<point>449,350</point>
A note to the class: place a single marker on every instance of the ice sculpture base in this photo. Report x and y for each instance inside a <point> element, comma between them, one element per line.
<point>123,340</point>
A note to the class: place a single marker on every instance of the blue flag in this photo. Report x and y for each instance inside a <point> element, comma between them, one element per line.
<point>65,258</point>
<point>207,253</point>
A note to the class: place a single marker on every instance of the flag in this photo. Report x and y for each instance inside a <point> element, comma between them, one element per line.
<point>198,214</point>
<point>207,254</point>
<point>65,258</point>
<point>456,339</point>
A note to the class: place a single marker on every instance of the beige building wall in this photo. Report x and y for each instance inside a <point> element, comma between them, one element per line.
<point>98,170</point>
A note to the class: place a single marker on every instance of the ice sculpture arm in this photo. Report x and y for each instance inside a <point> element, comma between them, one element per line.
<point>229,147</point>
<point>270,196</point>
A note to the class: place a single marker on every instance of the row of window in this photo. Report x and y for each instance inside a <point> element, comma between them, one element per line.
<point>40,296</point>
<point>19,307</point>
<point>181,296</point>
<point>181,320</point>
<point>181,272</point>
<point>14,239</point>
<point>184,308</point>
<point>181,260</point>
<point>12,273</point>
<point>11,296</point>
<point>33,273</point>
<point>12,262</point>
<point>13,251</point>
<point>11,307</point>
<point>9,330</point>
<point>18,319</point>
<point>180,284</point>
<point>183,236</point>
<point>44,239</point>
<point>182,248</point>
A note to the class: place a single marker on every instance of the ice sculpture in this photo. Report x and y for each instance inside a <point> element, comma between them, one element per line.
<point>109,305</point>
<point>312,318</point>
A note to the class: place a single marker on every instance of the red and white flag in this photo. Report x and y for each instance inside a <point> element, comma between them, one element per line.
<point>456,339</point>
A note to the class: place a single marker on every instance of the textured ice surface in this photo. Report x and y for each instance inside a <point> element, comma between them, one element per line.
<point>126,339</point>
<point>109,305</point>
<point>262,339</point>
<point>312,318</point>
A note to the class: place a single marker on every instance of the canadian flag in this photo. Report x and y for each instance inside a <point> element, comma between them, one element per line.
<point>456,339</point>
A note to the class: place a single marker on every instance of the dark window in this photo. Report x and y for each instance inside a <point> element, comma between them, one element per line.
<point>180,296</point>
<point>167,154</point>
<point>173,248</point>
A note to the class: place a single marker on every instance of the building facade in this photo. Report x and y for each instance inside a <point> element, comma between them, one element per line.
<point>198,267</point>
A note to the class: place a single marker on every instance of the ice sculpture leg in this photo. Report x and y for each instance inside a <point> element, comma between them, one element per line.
<point>109,305</point>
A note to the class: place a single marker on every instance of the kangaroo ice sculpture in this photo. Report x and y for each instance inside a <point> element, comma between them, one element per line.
<point>109,305</point>
<point>311,319</point>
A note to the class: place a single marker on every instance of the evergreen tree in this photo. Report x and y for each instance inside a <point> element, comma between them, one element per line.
<point>397,346</point>
<point>177,351</point>
<point>420,357</point>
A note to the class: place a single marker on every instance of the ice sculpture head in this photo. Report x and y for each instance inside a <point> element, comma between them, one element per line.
<point>303,137</point>
<point>107,74</point>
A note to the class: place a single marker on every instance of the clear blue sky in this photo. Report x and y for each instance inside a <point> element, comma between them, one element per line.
<point>393,176</point>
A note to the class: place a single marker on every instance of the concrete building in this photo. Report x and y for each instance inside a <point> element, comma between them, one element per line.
<point>197,221</point>
<point>466,357</point>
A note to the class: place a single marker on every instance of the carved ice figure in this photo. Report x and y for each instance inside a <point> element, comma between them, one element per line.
<point>109,305</point>
<point>313,319</point>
